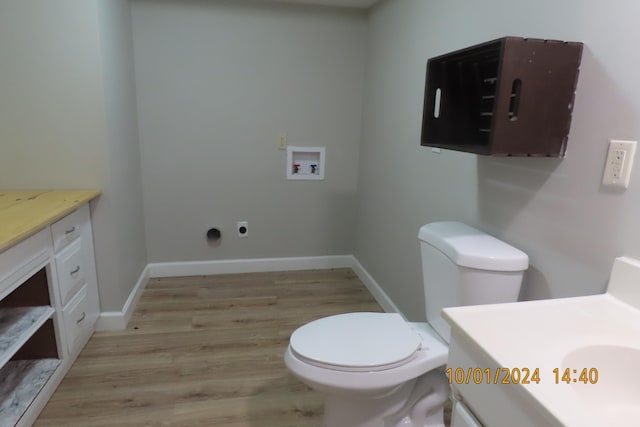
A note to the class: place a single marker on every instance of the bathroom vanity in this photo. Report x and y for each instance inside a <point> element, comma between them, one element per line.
<point>569,362</point>
<point>48,295</point>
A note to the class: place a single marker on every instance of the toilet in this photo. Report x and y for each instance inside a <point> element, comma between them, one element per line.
<point>379,370</point>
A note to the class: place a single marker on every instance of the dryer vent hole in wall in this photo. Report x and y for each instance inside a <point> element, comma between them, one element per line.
<point>214,236</point>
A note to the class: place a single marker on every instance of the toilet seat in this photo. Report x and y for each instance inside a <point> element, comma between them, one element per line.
<point>356,342</point>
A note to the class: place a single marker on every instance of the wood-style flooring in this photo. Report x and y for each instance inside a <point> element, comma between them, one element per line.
<point>206,351</point>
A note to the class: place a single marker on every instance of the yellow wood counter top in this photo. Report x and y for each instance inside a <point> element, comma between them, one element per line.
<point>23,213</point>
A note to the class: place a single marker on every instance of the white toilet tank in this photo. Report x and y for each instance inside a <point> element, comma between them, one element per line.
<point>464,266</point>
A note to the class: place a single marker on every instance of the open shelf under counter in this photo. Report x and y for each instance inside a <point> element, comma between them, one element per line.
<point>17,325</point>
<point>22,380</point>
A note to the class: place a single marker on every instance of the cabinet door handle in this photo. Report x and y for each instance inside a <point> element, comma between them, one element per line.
<point>75,270</point>
<point>81,318</point>
<point>71,230</point>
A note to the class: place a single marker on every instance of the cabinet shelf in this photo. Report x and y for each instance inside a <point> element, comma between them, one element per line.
<point>17,325</point>
<point>507,97</point>
<point>22,380</point>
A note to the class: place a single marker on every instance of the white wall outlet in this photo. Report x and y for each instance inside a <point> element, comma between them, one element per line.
<point>243,229</point>
<point>617,170</point>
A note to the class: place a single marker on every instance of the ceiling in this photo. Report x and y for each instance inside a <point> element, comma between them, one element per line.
<point>357,4</point>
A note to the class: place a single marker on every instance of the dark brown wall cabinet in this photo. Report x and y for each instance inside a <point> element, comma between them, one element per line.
<point>508,97</point>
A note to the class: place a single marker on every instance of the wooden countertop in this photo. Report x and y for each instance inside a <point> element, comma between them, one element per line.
<point>23,213</point>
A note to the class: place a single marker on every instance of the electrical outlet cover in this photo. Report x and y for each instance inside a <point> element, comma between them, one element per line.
<point>243,229</point>
<point>617,170</point>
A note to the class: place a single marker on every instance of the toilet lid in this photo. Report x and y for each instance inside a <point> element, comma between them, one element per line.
<point>353,341</point>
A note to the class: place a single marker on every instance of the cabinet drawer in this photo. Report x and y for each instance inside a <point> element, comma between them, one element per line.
<point>77,320</point>
<point>71,270</point>
<point>69,228</point>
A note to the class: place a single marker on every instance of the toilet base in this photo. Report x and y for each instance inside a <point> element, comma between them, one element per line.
<point>417,403</point>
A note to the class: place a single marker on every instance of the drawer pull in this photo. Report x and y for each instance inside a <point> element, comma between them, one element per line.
<point>74,271</point>
<point>71,230</point>
<point>81,318</point>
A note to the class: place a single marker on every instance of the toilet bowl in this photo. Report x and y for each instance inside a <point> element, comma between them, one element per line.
<point>377,369</point>
<point>368,365</point>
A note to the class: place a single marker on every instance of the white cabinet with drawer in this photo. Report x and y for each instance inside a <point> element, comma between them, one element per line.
<point>73,247</point>
<point>48,295</point>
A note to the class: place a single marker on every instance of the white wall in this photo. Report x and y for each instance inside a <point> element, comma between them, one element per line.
<point>555,210</point>
<point>217,81</point>
<point>120,244</point>
<point>67,120</point>
<point>51,110</point>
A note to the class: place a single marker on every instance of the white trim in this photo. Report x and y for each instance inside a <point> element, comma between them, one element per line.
<point>117,320</point>
<point>374,288</point>
<point>255,265</point>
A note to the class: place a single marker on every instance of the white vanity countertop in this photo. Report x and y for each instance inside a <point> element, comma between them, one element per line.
<point>600,331</point>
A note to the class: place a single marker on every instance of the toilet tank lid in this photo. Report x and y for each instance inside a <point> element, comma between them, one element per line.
<point>472,248</point>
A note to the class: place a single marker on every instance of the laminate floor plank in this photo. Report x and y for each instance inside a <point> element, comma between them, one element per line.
<point>206,351</point>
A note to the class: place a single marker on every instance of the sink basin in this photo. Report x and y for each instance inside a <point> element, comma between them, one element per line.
<point>612,388</point>
<point>588,365</point>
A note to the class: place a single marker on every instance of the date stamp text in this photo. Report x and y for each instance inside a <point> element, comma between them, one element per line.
<point>520,376</point>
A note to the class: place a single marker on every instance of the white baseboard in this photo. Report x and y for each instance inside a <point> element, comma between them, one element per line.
<point>117,320</point>
<point>255,265</point>
<point>376,290</point>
